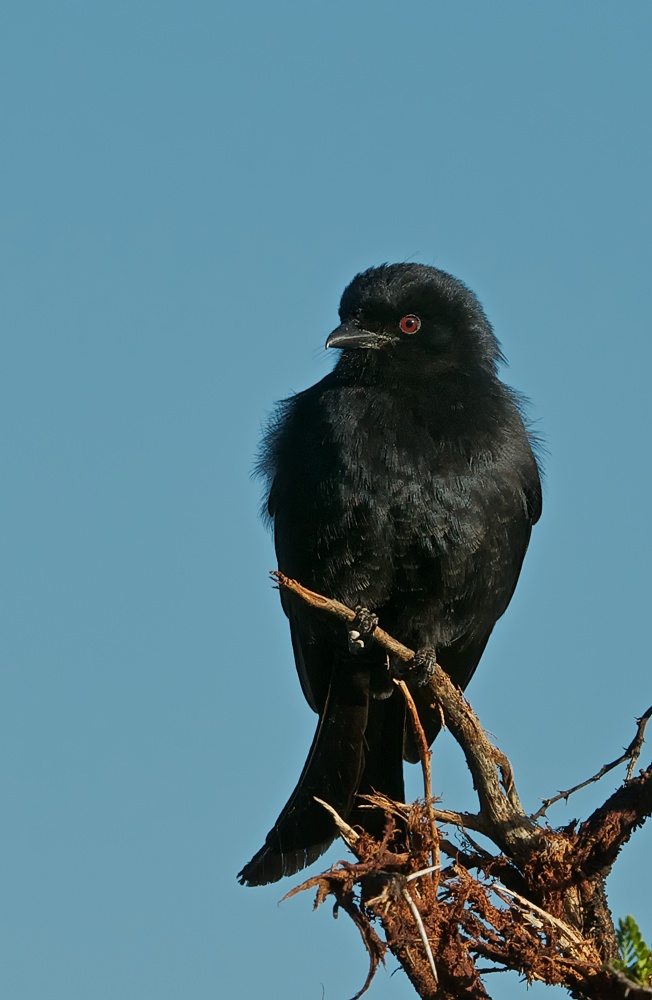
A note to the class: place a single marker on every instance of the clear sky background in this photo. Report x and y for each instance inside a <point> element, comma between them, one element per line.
<point>186,188</point>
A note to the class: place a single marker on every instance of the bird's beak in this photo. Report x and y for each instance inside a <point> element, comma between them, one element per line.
<point>348,336</point>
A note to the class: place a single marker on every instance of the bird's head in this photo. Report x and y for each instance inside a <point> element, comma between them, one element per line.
<point>416,313</point>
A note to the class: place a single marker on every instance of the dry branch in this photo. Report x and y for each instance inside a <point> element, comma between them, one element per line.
<point>632,753</point>
<point>538,906</point>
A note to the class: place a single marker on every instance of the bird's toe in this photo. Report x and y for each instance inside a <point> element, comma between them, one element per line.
<point>418,671</point>
<point>362,629</point>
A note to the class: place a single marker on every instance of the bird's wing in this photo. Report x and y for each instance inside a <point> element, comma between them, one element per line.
<point>313,657</point>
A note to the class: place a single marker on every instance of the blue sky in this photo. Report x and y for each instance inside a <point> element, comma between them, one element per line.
<point>186,190</point>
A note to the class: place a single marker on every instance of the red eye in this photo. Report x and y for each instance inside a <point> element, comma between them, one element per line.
<point>410,324</point>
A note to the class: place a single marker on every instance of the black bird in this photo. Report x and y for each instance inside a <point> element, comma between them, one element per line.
<point>404,483</point>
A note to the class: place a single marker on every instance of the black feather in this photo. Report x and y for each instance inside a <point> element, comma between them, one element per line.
<point>404,481</point>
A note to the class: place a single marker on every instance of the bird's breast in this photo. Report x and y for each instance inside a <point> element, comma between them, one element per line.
<point>409,502</point>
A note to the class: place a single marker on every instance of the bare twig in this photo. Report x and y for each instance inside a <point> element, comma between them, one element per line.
<point>424,757</point>
<point>632,753</point>
<point>347,833</point>
<point>422,932</point>
<point>341,611</point>
<point>635,747</point>
<point>527,904</point>
<point>465,821</point>
<point>424,871</point>
<point>339,883</point>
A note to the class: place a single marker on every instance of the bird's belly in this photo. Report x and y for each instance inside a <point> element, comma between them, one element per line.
<point>425,554</point>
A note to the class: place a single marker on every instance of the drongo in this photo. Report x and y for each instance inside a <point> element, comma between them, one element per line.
<point>404,484</point>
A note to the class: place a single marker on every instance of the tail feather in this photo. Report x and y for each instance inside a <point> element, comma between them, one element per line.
<point>333,771</point>
<point>357,747</point>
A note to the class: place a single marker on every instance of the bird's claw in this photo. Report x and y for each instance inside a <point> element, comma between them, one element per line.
<point>419,670</point>
<point>362,629</point>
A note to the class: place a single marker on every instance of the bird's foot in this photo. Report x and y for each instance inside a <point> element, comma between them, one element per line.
<point>419,670</point>
<point>362,629</point>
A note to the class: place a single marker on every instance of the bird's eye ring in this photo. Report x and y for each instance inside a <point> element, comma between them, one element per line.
<point>410,324</point>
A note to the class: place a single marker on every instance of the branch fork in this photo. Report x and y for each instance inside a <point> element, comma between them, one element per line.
<point>552,924</point>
